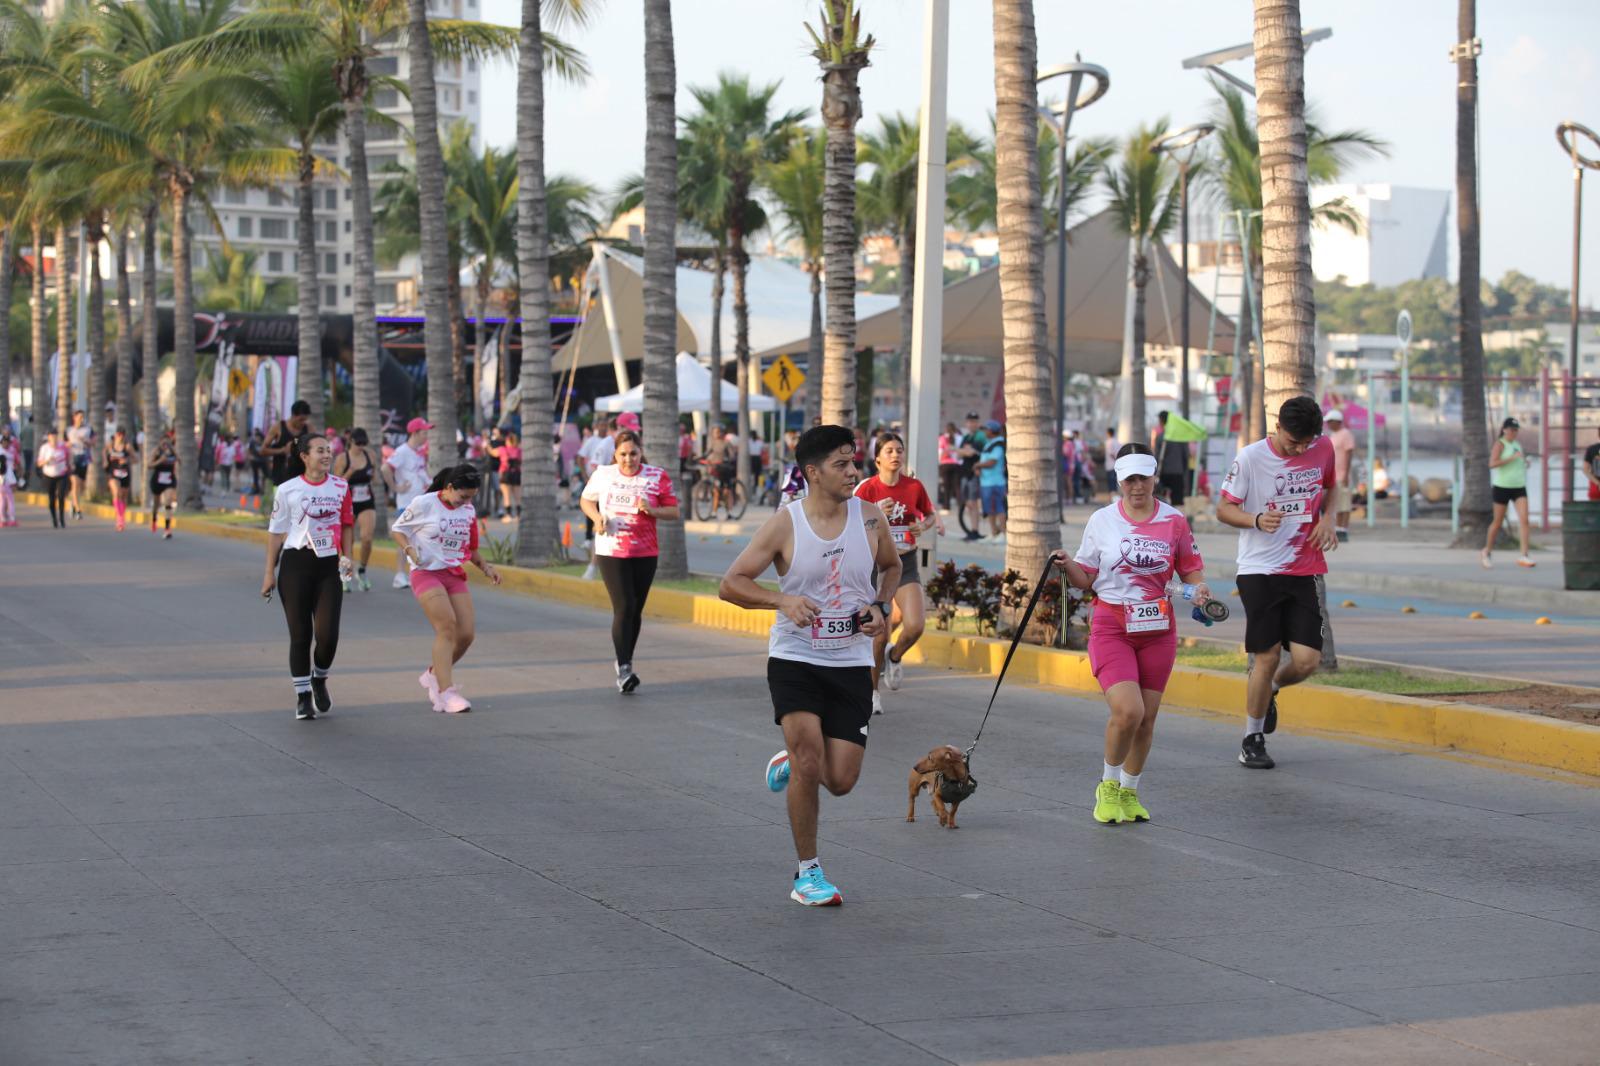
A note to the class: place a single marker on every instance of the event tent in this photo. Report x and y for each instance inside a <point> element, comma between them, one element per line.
<point>694,392</point>
<point>1097,285</point>
<point>778,293</point>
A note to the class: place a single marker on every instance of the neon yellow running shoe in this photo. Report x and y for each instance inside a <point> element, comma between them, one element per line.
<point>1132,809</point>
<point>1108,803</point>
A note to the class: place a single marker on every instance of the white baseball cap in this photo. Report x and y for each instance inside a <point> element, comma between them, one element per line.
<point>1334,415</point>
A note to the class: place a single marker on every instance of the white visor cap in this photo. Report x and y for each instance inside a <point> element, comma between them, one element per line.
<point>1135,466</point>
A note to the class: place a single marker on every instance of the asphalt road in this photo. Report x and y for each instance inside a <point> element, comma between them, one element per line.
<point>565,876</point>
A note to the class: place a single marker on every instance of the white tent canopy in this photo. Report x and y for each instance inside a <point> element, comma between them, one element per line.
<point>1097,281</point>
<point>778,293</point>
<point>694,392</point>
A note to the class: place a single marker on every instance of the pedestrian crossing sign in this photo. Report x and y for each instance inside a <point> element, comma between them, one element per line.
<point>783,378</point>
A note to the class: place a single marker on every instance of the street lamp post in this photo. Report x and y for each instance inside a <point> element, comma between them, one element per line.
<point>1060,118</point>
<point>1189,137</point>
<point>1567,136</point>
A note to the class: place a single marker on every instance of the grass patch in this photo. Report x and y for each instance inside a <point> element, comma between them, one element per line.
<point>1385,679</point>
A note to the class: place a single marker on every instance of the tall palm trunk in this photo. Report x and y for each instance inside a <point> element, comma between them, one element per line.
<point>813,386</point>
<point>1475,430</point>
<point>1288,308</point>
<point>1135,377</point>
<point>183,354</point>
<point>458,337</point>
<point>741,343</point>
<point>536,529</point>
<point>309,318</point>
<point>66,271</point>
<point>124,386</point>
<point>364,373</point>
<point>660,268</point>
<point>1130,408</point>
<point>719,271</point>
<point>435,240</point>
<point>150,339</point>
<point>8,251</point>
<point>94,383</point>
<point>841,111</point>
<point>481,301</point>
<point>1033,527</point>
<point>900,383</point>
<point>39,406</point>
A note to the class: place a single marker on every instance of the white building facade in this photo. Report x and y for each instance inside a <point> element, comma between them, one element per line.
<point>1404,235</point>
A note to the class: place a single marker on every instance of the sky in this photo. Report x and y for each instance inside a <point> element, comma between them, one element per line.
<point>1385,70</point>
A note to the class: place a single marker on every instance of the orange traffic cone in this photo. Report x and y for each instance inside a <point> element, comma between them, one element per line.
<point>242,504</point>
<point>566,535</point>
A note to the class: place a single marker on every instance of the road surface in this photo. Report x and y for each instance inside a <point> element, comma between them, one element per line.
<point>565,876</point>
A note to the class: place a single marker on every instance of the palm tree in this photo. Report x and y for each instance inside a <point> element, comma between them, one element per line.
<point>1144,202</point>
<point>537,541</point>
<point>1231,179</point>
<point>66,274</point>
<point>1288,312</point>
<point>660,372</point>
<point>8,252</point>
<point>795,182</point>
<point>972,175</point>
<point>485,202</point>
<point>1033,527</point>
<point>748,139</point>
<point>1474,411</point>
<point>842,52</point>
<point>703,202</point>
<point>232,280</point>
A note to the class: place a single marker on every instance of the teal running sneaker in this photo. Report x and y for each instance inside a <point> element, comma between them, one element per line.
<point>778,772</point>
<point>814,890</point>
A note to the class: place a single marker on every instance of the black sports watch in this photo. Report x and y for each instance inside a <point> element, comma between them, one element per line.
<point>883,608</point>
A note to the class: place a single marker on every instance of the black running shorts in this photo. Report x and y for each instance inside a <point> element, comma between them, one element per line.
<point>1505,496</point>
<point>839,695</point>
<point>1279,610</point>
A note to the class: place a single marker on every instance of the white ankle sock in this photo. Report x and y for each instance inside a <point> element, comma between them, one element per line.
<point>805,866</point>
<point>1255,725</point>
<point>1110,773</point>
<point>1131,780</point>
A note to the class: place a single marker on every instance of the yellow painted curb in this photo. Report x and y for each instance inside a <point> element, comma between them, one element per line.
<point>1523,738</point>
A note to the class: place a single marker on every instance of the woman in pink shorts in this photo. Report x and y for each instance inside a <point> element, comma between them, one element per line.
<point>1130,552</point>
<point>438,532</point>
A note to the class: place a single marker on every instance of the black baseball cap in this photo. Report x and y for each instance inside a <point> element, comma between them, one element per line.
<point>1511,423</point>
<point>972,416</point>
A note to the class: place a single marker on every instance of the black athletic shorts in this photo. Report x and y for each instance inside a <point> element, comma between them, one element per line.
<point>1505,496</point>
<point>910,573</point>
<point>363,505</point>
<point>840,695</point>
<point>1279,609</point>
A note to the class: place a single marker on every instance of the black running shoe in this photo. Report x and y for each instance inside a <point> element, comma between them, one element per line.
<point>1253,753</point>
<point>1272,715</point>
<point>302,706</point>
<point>319,695</point>
<point>628,684</point>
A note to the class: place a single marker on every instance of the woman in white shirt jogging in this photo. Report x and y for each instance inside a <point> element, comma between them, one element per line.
<point>308,546</point>
<point>437,533</point>
<point>1130,552</point>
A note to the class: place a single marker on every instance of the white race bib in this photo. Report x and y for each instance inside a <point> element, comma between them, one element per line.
<point>830,631</point>
<point>622,503</point>
<point>449,544</point>
<point>903,538</point>
<point>1293,508</point>
<point>1151,616</point>
<point>360,493</point>
<point>322,542</point>
<point>163,477</point>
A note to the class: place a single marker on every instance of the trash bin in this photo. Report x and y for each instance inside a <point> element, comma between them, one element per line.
<point>1580,543</point>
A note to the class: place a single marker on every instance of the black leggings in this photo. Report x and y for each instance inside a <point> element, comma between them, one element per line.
<point>58,489</point>
<point>311,594</point>
<point>628,583</point>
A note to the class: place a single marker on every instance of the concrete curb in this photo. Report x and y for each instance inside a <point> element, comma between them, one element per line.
<point>1522,738</point>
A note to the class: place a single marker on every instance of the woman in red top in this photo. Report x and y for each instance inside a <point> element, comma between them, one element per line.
<point>624,500</point>
<point>510,455</point>
<point>905,503</point>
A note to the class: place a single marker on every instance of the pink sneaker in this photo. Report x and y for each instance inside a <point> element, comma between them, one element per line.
<point>430,684</point>
<point>451,701</point>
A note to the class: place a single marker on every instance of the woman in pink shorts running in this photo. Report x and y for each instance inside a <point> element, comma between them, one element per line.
<point>439,532</point>
<point>1130,552</point>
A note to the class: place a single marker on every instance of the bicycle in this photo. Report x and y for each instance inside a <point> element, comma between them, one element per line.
<point>708,494</point>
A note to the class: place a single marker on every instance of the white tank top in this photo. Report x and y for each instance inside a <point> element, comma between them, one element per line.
<point>837,576</point>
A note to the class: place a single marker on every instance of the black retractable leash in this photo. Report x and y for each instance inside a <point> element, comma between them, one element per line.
<point>956,791</point>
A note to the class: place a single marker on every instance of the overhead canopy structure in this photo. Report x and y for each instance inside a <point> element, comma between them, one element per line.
<point>778,294</point>
<point>1097,281</point>
<point>694,392</point>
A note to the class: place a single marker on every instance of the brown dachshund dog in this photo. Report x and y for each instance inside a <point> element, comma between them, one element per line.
<point>946,760</point>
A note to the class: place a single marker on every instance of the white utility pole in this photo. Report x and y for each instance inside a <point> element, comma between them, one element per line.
<point>927,295</point>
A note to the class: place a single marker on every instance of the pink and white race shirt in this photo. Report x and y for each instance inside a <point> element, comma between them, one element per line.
<point>445,537</point>
<point>627,533</point>
<point>311,514</point>
<point>1262,480</point>
<point>1131,563</point>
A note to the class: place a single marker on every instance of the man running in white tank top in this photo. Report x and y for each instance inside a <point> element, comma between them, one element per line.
<point>825,548</point>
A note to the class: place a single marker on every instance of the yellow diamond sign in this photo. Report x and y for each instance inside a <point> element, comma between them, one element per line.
<point>783,378</point>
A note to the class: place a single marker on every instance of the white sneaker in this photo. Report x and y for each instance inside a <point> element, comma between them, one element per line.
<point>400,580</point>
<point>1483,557</point>
<point>591,573</point>
<point>893,672</point>
<point>877,703</point>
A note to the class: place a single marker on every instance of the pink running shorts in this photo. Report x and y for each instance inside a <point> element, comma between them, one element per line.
<point>1116,656</point>
<point>453,581</point>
